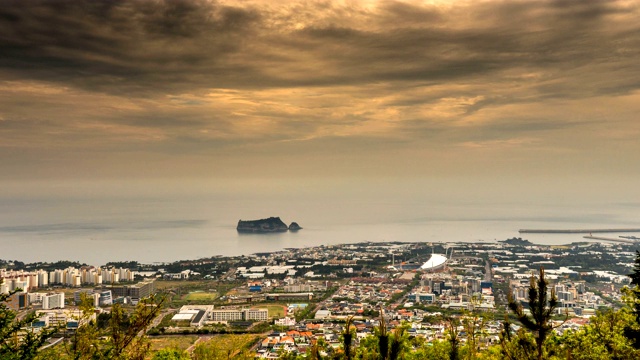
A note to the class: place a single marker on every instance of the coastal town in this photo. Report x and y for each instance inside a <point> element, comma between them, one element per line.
<point>288,300</point>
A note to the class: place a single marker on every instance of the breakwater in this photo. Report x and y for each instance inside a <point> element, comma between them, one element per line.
<point>574,231</point>
<point>590,237</point>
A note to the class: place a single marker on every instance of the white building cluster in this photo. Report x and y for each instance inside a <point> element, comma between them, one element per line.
<point>12,280</point>
<point>29,280</point>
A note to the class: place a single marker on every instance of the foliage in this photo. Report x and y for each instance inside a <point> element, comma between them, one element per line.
<point>632,331</point>
<point>399,343</point>
<point>225,347</point>
<point>171,354</point>
<point>383,337</point>
<point>602,339</point>
<point>305,313</point>
<point>347,338</point>
<point>541,310</point>
<point>518,346</point>
<point>17,340</point>
<point>452,337</point>
<point>473,323</point>
<point>436,350</point>
<point>124,336</point>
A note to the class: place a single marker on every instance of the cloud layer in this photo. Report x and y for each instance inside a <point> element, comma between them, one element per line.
<point>351,86</point>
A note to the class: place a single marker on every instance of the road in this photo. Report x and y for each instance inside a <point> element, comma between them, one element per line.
<point>488,271</point>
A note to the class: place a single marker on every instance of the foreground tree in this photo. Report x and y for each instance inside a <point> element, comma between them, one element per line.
<point>124,336</point>
<point>17,339</point>
<point>602,339</point>
<point>539,323</point>
<point>632,331</point>
<point>314,352</point>
<point>399,343</point>
<point>473,324</point>
<point>452,336</point>
<point>383,337</point>
<point>384,345</point>
<point>347,339</point>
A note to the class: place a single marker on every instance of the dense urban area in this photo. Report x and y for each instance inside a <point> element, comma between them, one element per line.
<point>443,300</point>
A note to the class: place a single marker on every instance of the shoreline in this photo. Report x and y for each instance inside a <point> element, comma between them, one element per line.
<point>359,243</point>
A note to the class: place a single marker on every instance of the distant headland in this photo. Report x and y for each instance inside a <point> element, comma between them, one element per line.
<point>269,225</point>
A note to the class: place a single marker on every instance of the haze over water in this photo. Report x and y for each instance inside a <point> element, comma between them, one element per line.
<point>146,130</point>
<point>95,227</point>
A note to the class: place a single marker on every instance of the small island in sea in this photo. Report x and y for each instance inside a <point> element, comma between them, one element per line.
<point>269,225</point>
<point>517,242</point>
<point>294,226</point>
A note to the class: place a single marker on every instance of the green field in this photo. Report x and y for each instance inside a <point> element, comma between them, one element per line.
<point>201,296</point>
<point>275,311</point>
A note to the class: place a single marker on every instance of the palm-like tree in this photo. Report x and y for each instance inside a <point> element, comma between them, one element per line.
<point>347,337</point>
<point>383,337</point>
<point>539,323</point>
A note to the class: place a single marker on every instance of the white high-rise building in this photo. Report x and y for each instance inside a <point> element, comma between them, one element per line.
<point>56,276</point>
<point>53,301</point>
<point>125,274</point>
<point>43,278</point>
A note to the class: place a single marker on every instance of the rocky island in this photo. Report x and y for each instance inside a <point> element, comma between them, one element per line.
<point>517,242</point>
<point>269,225</point>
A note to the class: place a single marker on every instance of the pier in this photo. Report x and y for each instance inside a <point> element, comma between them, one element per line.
<point>575,231</point>
<point>590,237</point>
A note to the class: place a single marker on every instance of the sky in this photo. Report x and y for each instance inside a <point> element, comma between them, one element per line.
<point>321,92</point>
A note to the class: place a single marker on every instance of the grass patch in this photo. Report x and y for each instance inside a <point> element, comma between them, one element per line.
<point>275,311</point>
<point>183,284</point>
<point>201,296</point>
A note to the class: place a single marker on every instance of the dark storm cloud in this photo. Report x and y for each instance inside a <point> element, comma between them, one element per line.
<point>172,46</point>
<point>192,85</point>
<point>115,46</point>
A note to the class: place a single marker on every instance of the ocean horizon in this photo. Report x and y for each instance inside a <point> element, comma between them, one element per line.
<point>152,229</point>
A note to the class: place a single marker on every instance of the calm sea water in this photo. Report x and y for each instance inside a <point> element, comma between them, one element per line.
<point>160,229</point>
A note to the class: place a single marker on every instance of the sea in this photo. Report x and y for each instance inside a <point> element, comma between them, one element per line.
<point>155,227</point>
